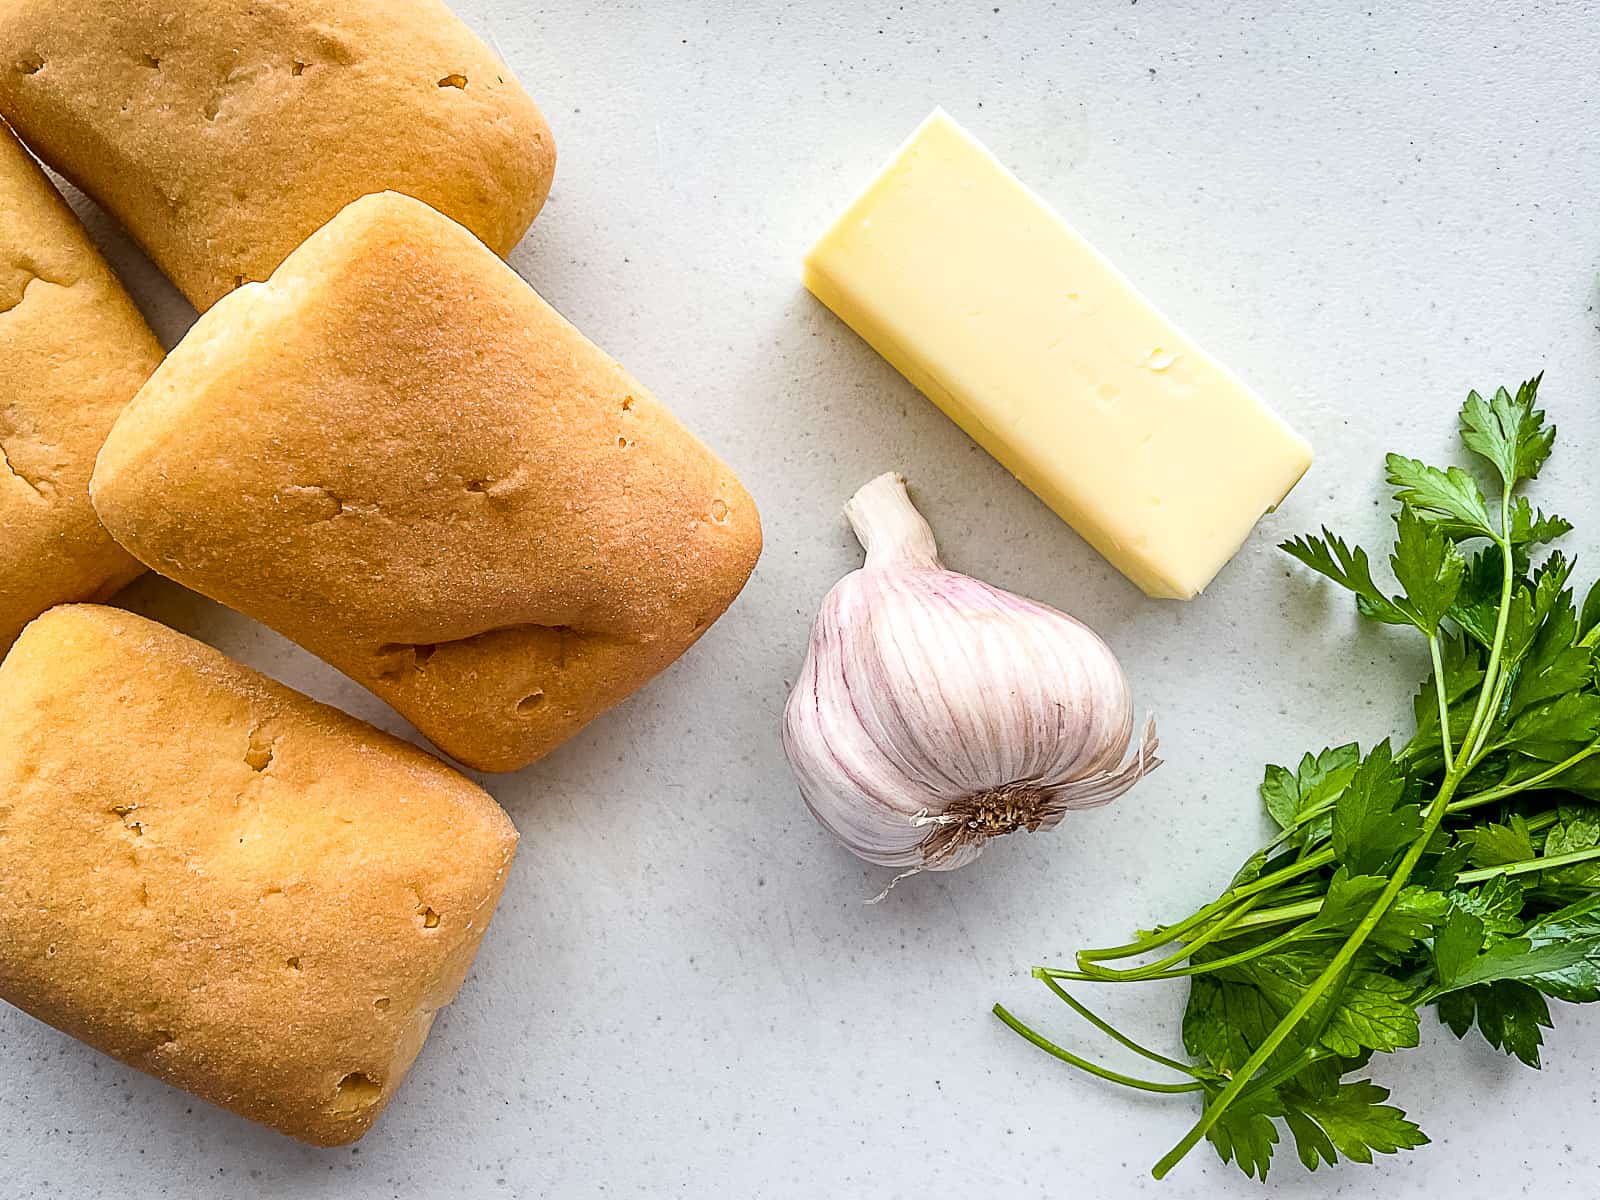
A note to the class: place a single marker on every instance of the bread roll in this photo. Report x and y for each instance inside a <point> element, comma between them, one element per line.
<point>223,134</point>
<point>73,351</point>
<point>398,455</point>
<point>218,881</point>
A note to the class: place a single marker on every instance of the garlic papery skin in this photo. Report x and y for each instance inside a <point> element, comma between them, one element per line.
<point>935,712</point>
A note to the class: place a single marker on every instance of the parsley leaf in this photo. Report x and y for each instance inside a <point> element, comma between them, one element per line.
<point>1410,919</point>
<point>1450,499</point>
<point>1355,1121</point>
<point>1370,824</point>
<point>1373,1012</point>
<point>1290,797</point>
<point>1429,569</point>
<point>1510,1015</point>
<point>1509,432</point>
<point>1497,904</point>
<point>1493,845</point>
<point>1462,958</point>
<point>1555,665</point>
<point>1349,897</point>
<point>1477,604</point>
<point>1554,730</point>
<point>1348,567</point>
<point>1225,1020</point>
<point>1370,1012</point>
<point>1532,606</point>
<point>1576,925</point>
<point>1589,618</point>
<point>1456,945</point>
<point>1531,527</point>
<point>1246,1134</point>
<point>1577,830</point>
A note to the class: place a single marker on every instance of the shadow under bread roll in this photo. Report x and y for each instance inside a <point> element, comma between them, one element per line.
<point>73,351</point>
<point>396,454</point>
<point>223,883</point>
<point>223,134</point>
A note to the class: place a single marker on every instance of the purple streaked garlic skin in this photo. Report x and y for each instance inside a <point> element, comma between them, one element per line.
<point>935,712</point>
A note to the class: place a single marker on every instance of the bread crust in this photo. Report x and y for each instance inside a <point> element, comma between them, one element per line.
<point>396,454</point>
<point>223,883</point>
<point>223,134</point>
<point>73,351</point>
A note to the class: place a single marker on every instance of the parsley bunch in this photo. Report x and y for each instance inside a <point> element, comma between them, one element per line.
<point>1461,870</point>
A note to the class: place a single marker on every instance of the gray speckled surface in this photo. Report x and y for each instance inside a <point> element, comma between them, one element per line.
<point>1364,212</point>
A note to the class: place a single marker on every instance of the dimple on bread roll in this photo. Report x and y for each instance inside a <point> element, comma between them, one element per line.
<point>223,883</point>
<point>223,134</point>
<point>73,351</point>
<point>396,454</point>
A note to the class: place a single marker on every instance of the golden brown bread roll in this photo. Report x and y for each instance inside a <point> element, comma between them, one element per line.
<point>223,134</point>
<point>73,351</point>
<point>225,884</point>
<point>398,455</point>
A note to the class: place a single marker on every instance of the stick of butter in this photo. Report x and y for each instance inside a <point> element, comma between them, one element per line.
<point>1008,320</point>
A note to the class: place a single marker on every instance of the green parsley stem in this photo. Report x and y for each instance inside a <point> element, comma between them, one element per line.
<point>1282,875</point>
<point>1523,785</point>
<point>1044,975</point>
<point>1478,730</point>
<point>1083,1064</point>
<point>1156,969</point>
<point>1529,866</point>
<point>1232,960</point>
<point>1444,702</point>
<point>1284,912</point>
<point>1168,934</point>
<point>1479,750</point>
<point>1158,938</point>
<point>1292,1068</point>
<point>1309,908</point>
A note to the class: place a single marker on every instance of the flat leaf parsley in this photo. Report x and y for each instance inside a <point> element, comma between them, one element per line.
<point>1460,871</point>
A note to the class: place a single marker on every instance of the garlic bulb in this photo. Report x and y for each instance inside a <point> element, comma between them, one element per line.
<point>935,712</point>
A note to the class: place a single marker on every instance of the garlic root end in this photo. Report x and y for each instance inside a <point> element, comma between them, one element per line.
<point>1022,806</point>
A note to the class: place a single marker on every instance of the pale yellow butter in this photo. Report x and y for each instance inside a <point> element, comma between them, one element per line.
<point>998,311</point>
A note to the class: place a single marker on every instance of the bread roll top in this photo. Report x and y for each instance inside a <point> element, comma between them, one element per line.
<point>221,882</point>
<point>398,455</point>
<point>73,351</point>
<point>223,134</point>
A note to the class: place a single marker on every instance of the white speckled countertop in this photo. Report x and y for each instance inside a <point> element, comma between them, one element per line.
<point>1365,213</point>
